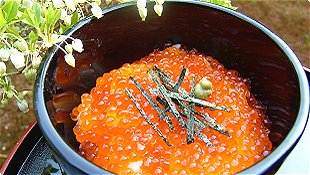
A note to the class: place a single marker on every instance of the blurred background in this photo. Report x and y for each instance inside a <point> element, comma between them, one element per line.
<point>289,19</point>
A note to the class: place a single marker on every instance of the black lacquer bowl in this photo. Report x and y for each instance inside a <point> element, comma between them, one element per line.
<point>240,43</point>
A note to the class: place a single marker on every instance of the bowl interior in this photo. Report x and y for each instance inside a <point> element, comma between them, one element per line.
<point>121,37</point>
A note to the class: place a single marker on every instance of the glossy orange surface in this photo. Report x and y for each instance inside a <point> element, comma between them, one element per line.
<point>115,136</point>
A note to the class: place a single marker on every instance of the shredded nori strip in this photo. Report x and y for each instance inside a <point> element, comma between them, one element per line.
<point>180,80</point>
<point>161,113</point>
<point>190,121</point>
<point>163,91</point>
<point>133,99</point>
<point>210,121</point>
<point>200,135</point>
<point>199,123</point>
<point>188,98</point>
<point>185,96</point>
<point>203,137</point>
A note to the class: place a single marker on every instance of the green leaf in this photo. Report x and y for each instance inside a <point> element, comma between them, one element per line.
<point>2,81</point>
<point>10,9</point>
<point>52,16</point>
<point>13,31</point>
<point>74,18</point>
<point>10,93</point>
<point>4,102</point>
<point>30,18</point>
<point>37,11</point>
<point>2,20</point>
<point>63,28</point>
<point>33,37</point>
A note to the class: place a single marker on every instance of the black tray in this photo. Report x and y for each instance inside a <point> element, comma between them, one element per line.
<point>32,156</point>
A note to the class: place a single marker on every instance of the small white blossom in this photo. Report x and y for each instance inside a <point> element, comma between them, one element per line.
<point>158,8</point>
<point>58,3</point>
<point>141,4</point>
<point>5,54</point>
<point>67,20</point>
<point>70,59</point>
<point>160,2</point>
<point>63,14</point>
<point>2,68</point>
<point>36,60</point>
<point>142,13</point>
<point>70,4</point>
<point>21,45</point>
<point>69,48</point>
<point>23,105</point>
<point>77,45</point>
<point>96,10</point>
<point>17,59</point>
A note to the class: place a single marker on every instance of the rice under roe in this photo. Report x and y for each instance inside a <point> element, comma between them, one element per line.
<point>113,134</point>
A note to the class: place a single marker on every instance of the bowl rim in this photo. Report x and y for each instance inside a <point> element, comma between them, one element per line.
<point>61,148</point>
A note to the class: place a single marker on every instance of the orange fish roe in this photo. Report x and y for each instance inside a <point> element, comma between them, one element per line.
<point>115,136</point>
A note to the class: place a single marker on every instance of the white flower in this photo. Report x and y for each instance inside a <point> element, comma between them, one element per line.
<point>17,59</point>
<point>36,60</point>
<point>70,4</point>
<point>69,48</point>
<point>2,68</point>
<point>77,45</point>
<point>96,10</point>
<point>70,59</point>
<point>67,20</point>
<point>21,45</point>
<point>5,54</point>
<point>158,8</point>
<point>160,2</point>
<point>141,4</point>
<point>58,3</point>
<point>63,14</point>
<point>142,13</point>
<point>23,105</point>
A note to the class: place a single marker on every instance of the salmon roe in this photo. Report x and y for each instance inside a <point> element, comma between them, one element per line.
<point>115,136</point>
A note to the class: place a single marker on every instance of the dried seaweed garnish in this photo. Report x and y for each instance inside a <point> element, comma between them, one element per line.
<point>163,92</point>
<point>180,80</point>
<point>204,138</point>
<point>212,123</point>
<point>190,121</point>
<point>199,123</point>
<point>200,135</point>
<point>169,82</point>
<point>161,113</point>
<point>188,98</point>
<point>179,103</point>
<point>183,95</point>
<point>133,99</point>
